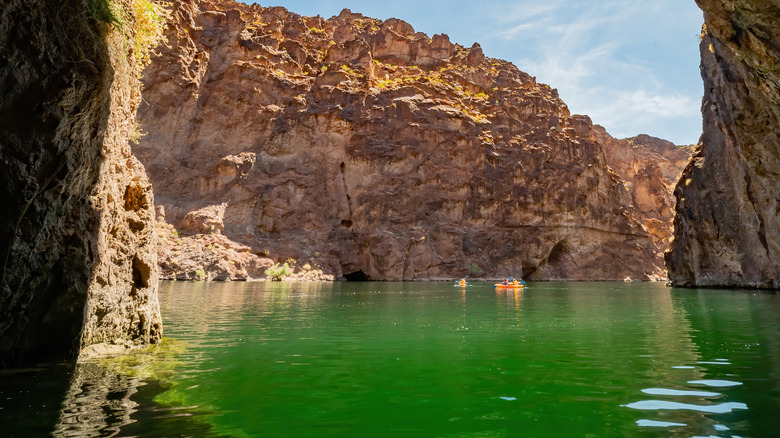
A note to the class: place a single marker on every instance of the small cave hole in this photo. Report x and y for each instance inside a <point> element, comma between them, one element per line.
<point>356,276</point>
<point>135,226</point>
<point>135,198</point>
<point>346,223</point>
<point>141,273</point>
<point>343,166</point>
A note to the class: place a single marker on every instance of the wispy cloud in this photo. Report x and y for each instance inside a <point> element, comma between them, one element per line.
<point>587,51</point>
<point>523,11</point>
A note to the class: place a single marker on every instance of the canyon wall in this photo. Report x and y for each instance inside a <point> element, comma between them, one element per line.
<point>79,269</point>
<point>372,151</point>
<point>649,168</point>
<point>727,227</point>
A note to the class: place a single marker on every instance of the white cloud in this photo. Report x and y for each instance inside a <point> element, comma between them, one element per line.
<point>523,11</point>
<point>594,54</point>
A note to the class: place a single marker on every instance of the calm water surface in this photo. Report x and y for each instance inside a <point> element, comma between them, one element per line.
<point>427,360</point>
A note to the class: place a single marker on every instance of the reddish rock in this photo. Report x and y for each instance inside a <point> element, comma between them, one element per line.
<point>649,168</point>
<point>206,257</point>
<point>369,149</point>
<point>727,227</point>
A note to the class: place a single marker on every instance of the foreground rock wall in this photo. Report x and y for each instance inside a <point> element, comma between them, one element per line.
<point>76,241</point>
<point>373,151</point>
<point>727,227</point>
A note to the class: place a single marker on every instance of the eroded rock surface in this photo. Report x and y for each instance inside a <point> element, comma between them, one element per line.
<point>649,168</point>
<point>77,245</point>
<point>378,152</point>
<point>727,227</point>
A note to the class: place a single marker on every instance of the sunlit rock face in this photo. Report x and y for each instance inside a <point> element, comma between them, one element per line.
<point>77,247</point>
<point>374,151</point>
<point>649,168</point>
<point>727,227</point>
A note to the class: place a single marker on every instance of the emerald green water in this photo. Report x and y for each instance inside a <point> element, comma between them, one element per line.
<point>433,360</point>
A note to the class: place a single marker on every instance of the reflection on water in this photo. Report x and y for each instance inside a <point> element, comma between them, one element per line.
<point>428,359</point>
<point>98,402</point>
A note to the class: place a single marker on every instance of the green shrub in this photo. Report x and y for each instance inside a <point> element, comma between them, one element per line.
<point>103,11</point>
<point>149,25</point>
<point>276,272</point>
<point>200,275</point>
<point>474,269</point>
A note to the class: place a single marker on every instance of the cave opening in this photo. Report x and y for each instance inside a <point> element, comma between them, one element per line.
<point>556,254</point>
<point>356,276</point>
<point>528,272</point>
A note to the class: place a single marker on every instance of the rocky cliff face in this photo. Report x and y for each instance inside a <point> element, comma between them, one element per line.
<point>77,249</point>
<point>727,227</point>
<point>374,151</point>
<point>650,168</point>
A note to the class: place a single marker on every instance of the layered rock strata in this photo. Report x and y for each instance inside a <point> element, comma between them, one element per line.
<point>378,152</point>
<point>77,247</point>
<point>727,227</point>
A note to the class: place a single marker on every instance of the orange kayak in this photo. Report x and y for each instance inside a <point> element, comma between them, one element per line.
<point>509,286</point>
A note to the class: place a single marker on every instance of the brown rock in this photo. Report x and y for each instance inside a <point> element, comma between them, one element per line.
<point>78,250</point>
<point>727,227</point>
<point>411,160</point>
<point>206,257</point>
<point>650,168</point>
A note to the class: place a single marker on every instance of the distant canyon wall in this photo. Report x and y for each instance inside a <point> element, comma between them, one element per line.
<point>727,227</point>
<point>77,247</point>
<point>373,151</point>
<point>650,168</point>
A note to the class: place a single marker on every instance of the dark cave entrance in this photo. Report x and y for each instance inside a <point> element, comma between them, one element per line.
<point>557,253</point>
<point>356,276</point>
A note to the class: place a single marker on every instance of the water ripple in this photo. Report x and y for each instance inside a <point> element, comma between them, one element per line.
<point>653,423</point>
<point>677,392</point>
<point>715,383</point>
<point>722,408</point>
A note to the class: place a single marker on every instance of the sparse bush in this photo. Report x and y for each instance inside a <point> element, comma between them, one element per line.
<point>200,275</point>
<point>149,24</point>
<point>103,10</point>
<point>474,269</point>
<point>276,272</point>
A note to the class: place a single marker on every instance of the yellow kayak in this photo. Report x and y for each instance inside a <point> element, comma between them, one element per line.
<point>509,286</point>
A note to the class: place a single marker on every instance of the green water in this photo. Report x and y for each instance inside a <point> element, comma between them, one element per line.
<point>432,360</point>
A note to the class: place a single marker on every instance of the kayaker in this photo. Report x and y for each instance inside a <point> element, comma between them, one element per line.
<point>462,282</point>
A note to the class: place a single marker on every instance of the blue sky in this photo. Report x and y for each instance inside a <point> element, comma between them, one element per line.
<point>631,65</point>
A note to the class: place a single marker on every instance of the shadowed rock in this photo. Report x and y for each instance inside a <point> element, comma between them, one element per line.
<point>77,251</point>
<point>727,227</point>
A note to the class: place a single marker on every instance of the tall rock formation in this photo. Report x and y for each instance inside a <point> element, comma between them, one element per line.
<point>374,151</point>
<point>727,228</point>
<point>650,168</point>
<point>77,246</point>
